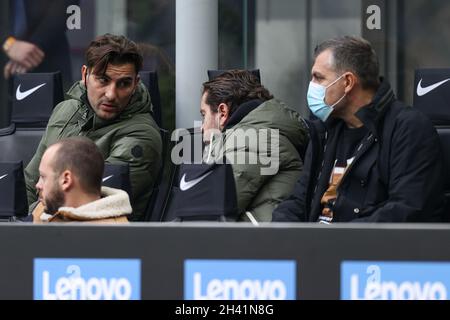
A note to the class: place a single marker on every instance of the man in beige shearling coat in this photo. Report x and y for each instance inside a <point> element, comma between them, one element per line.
<point>69,186</point>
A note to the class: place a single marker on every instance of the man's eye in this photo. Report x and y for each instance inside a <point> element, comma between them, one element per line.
<point>102,80</point>
<point>124,84</point>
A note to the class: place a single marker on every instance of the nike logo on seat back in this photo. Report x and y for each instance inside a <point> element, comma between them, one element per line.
<point>186,185</point>
<point>421,91</point>
<point>22,95</point>
<point>3,176</point>
<point>107,178</point>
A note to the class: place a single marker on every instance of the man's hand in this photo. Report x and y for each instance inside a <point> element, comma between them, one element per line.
<point>12,68</point>
<point>26,54</point>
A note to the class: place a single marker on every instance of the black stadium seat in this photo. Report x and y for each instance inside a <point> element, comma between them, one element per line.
<point>432,97</point>
<point>200,202</point>
<point>165,202</point>
<point>19,144</point>
<point>150,80</point>
<point>158,200</point>
<point>33,98</point>
<point>12,190</point>
<point>202,192</point>
<point>117,175</point>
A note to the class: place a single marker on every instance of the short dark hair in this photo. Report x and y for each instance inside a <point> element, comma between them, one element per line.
<point>82,157</point>
<point>112,49</point>
<point>234,88</point>
<point>353,54</point>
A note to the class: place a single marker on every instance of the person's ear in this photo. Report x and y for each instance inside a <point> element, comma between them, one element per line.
<point>84,74</point>
<point>224,114</point>
<point>350,81</point>
<point>66,180</point>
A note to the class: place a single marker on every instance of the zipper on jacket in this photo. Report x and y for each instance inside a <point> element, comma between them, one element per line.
<point>336,203</point>
<point>323,161</point>
<point>66,124</point>
<point>351,164</point>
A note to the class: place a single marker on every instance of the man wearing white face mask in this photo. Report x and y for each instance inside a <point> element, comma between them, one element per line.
<point>370,157</point>
<point>316,99</point>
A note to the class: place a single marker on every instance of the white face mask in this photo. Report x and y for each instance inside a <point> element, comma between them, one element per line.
<point>316,100</point>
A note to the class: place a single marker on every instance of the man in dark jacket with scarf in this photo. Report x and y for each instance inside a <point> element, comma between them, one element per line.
<point>371,158</point>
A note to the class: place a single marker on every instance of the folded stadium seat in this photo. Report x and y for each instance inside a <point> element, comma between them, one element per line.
<point>215,73</point>
<point>13,192</point>
<point>150,80</point>
<point>432,97</point>
<point>33,98</point>
<point>117,176</point>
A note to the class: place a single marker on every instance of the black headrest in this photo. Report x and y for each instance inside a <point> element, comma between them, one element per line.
<point>117,176</point>
<point>150,80</point>
<point>215,73</point>
<point>12,190</point>
<point>203,192</point>
<point>432,94</point>
<point>34,97</point>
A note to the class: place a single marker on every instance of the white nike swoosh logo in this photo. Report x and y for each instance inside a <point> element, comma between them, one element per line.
<point>3,176</point>
<point>423,91</point>
<point>186,185</point>
<point>107,178</point>
<point>22,95</point>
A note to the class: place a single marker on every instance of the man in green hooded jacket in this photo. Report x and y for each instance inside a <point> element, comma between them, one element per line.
<point>112,107</point>
<point>261,138</point>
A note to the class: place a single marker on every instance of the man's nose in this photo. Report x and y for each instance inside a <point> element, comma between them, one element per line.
<point>39,185</point>
<point>110,92</point>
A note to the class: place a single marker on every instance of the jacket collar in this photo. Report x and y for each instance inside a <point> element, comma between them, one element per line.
<point>114,203</point>
<point>241,111</point>
<point>371,114</point>
<point>140,103</point>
